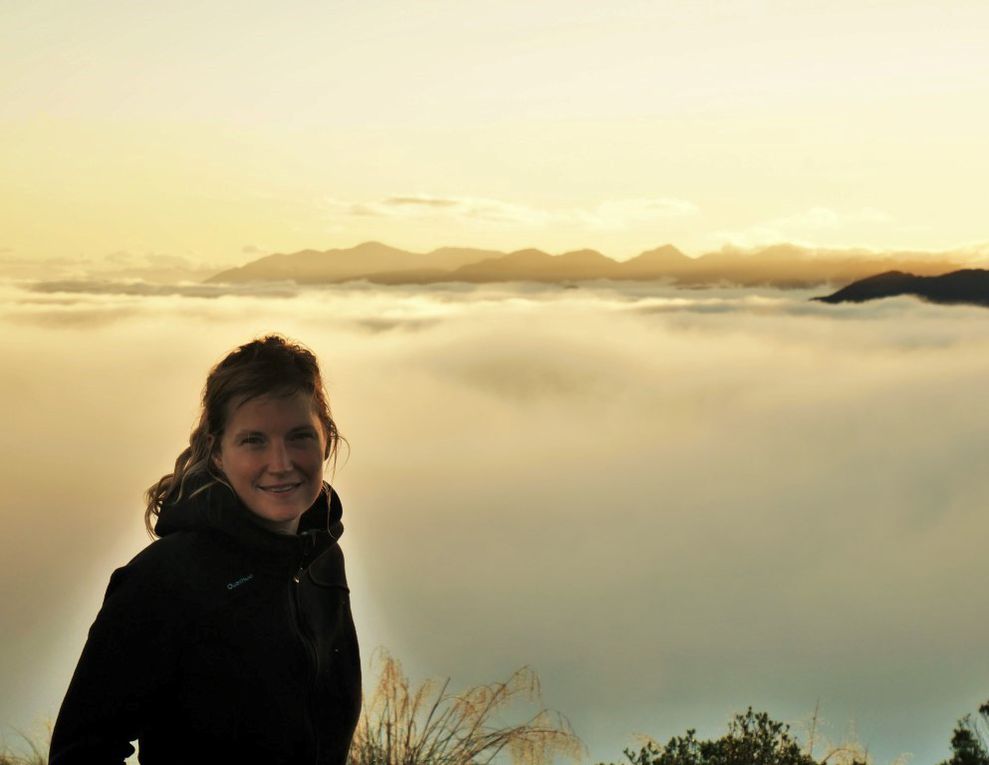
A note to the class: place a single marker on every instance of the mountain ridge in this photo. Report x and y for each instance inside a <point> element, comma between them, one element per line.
<point>780,265</point>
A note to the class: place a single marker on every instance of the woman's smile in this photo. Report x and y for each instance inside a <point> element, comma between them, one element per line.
<point>281,488</point>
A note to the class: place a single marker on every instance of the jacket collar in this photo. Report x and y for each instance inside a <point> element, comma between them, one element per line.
<point>207,503</point>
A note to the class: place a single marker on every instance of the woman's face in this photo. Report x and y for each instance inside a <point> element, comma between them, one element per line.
<point>272,454</point>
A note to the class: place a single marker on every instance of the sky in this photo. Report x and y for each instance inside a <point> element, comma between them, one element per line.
<point>669,504</point>
<point>200,132</point>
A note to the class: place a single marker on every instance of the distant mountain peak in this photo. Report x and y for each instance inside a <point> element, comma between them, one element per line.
<point>585,255</point>
<point>372,246</point>
<point>665,249</point>
<point>526,251</point>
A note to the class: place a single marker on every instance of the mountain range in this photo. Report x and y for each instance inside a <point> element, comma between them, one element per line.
<point>783,265</point>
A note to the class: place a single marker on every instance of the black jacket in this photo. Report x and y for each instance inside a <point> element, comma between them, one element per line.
<point>221,642</point>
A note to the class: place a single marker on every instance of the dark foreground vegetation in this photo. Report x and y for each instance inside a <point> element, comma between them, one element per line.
<point>755,739</point>
<point>402,724</point>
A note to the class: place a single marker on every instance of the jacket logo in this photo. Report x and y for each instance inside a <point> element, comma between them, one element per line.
<point>239,582</point>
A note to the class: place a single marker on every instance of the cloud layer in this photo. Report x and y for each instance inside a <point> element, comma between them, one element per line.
<point>614,214</point>
<point>672,504</point>
<point>814,226</point>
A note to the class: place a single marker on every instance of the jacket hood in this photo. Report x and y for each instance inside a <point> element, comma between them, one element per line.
<point>207,503</point>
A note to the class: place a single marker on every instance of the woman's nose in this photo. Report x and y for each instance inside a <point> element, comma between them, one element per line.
<point>280,460</point>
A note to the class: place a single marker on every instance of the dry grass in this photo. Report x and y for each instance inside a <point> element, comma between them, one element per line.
<point>849,751</point>
<point>35,757</point>
<point>31,759</point>
<point>427,725</point>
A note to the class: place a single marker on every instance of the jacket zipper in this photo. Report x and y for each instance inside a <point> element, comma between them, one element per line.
<point>313,655</point>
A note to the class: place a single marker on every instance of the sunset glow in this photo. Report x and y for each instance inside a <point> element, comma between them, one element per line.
<point>200,134</point>
<point>671,495</point>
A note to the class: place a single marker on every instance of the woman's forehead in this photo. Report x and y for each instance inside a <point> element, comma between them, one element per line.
<point>273,409</point>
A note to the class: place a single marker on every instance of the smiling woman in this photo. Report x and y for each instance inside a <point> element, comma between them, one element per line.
<point>230,638</point>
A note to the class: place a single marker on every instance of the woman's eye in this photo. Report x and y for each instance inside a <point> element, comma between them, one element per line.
<point>252,440</point>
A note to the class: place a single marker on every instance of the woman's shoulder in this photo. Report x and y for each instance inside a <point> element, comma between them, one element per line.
<point>172,552</point>
<point>178,564</point>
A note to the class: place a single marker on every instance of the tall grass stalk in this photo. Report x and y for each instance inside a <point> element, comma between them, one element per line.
<point>848,752</point>
<point>35,757</point>
<point>428,725</point>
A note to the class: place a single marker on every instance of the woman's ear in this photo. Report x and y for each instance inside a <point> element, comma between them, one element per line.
<point>214,453</point>
<point>327,445</point>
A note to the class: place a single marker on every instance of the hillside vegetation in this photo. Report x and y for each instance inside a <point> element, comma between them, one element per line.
<point>427,724</point>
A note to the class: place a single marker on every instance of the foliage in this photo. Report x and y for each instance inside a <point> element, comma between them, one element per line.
<point>401,725</point>
<point>968,742</point>
<point>752,739</point>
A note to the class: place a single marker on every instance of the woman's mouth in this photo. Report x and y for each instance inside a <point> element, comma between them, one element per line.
<point>280,488</point>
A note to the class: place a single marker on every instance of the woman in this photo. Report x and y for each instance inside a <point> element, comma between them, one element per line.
<point>230,638</point>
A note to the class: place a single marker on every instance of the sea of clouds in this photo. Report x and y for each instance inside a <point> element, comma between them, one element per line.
<point>671,504</point>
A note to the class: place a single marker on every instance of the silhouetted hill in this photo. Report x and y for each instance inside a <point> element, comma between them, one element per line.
<point>783,265</point>
<point>970,285</point>
<point>666,260</point>
<point>538,266</point>
<point>337,265</point>
<point>787,265</point>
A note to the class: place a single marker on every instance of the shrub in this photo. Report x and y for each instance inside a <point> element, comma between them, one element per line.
<point>968,742</point>
<point>752,739</point>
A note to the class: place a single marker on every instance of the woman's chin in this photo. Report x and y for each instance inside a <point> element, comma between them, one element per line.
<point>281,512</point>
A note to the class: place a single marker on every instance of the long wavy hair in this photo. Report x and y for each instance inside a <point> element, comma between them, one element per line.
<point>271,365</point>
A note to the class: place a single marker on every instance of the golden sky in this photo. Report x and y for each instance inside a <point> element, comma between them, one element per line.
<point>215,132</point>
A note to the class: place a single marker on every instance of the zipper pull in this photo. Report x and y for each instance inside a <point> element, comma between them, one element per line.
<point>298,574</point>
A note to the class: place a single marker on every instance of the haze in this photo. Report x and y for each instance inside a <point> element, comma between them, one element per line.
<point>670,504</point>
<point>191,131</point>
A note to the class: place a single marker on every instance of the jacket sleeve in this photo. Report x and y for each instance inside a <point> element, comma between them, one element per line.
<point>128,660</point>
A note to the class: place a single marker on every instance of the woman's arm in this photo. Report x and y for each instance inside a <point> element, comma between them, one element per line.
<point>126,662</point>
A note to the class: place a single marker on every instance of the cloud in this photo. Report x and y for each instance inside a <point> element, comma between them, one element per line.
<point>40,268</point>
<point>462,208</point>
<point>825,218</point>
<point>420,202</point>
<point>805,228</point>
<point>606,215</point>
<point>627,212</point>
<point>700,499</point>
<point>151,260</point>
<point>118,265</point>
<point>976,252</point>
<point>146,289</point>
<point>119,258</point>
<point>253,249</point>
<point>79,317</point>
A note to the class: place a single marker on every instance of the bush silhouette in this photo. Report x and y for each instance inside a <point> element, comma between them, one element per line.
<point>753,738</point>
<point>968,742</point>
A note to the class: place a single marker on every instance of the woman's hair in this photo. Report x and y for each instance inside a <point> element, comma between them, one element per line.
<point>271,365</point>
